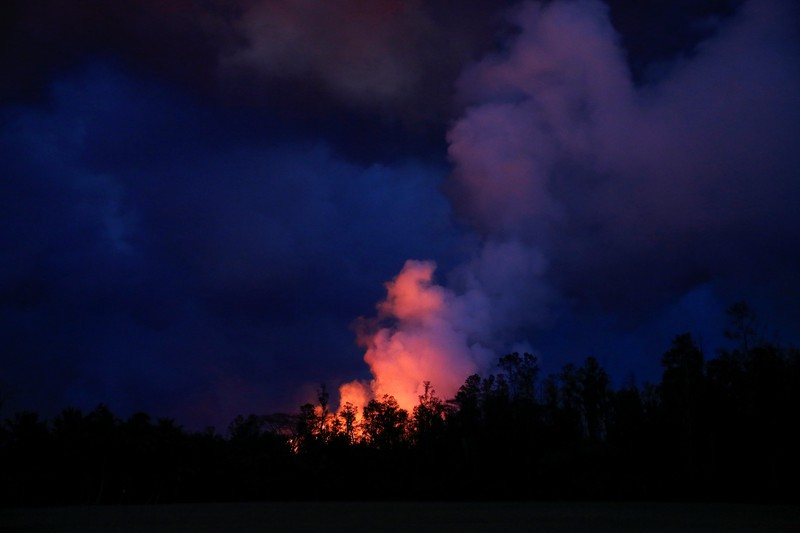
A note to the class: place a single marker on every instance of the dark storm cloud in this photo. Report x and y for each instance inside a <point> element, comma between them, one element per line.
<point>374,78</point>
<point>177,39</point>
<point>397,57</point>
<point>654,34</point>
<point>388,55</point>
<point>150,265</point>
<point>199,197</point>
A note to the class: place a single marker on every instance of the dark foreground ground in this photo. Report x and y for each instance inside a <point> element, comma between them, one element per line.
<point>413,517</point>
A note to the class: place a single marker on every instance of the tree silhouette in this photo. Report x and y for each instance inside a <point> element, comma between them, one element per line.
<point>720,429</point>
<point>595,399</point>
<point>742,326</point>
<point>384,423</point>
<point>521,372</point>
<point>28,445</point>
<point>428,417</point>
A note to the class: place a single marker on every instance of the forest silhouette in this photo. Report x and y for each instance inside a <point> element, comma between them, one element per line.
<point>716,429</point>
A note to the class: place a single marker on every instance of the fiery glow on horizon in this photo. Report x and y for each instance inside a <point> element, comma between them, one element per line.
<point>416,337</point>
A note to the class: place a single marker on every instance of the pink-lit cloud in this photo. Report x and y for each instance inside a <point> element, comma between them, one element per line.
<point>588,190</point>
<point>420,335</point>
<point>557,146</point>
<point>426,332</point>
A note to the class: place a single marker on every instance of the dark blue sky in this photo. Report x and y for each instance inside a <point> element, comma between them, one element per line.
<point>199,199</point>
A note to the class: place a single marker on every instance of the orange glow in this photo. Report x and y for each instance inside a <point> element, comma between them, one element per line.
<point>415,339</point>
<point>411,296</point>
<point>356,393</point>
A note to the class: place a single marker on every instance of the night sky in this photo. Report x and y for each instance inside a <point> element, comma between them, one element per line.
<point>203,204</point>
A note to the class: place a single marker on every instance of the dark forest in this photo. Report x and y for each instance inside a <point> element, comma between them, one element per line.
<point>713,429</point>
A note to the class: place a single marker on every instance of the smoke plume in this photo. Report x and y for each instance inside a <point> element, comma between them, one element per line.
<point>427,332</point>
<point>589,192</point>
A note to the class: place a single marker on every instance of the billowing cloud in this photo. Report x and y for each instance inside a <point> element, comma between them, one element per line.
<point>669,181</point>
<point>597,200</point>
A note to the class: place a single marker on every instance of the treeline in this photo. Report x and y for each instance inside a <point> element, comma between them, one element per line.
<point>722,429</point>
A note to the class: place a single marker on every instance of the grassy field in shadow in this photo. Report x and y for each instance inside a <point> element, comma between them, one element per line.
<point>416,517</point>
